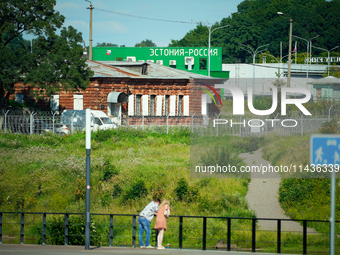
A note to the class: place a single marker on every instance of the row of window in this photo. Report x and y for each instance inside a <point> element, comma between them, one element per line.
<point>158,105</point>
<point>142,105</point>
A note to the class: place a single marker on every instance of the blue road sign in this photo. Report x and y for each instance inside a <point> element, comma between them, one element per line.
<point>325,149</point>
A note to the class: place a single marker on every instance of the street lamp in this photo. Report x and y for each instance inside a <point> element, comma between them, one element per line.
<point>307,50</point>
<point>254,53</point>
<point>290,46</point>
<point>328,51</point>
<point>210,32</point>
<point>310,45</point>
<point>278,70</point>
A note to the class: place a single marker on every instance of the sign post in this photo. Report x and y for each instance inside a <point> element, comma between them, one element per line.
<point>88,168</point>
<point>325,151</point>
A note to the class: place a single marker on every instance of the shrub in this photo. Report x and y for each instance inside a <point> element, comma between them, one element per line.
<point>56,231</point>
<point>105,199</point>
<point>186,193</point>
<point>329,127</point>
<point>104,135</point>
<point>293,191</point>
<point>117,190</point>
<point>136,191</point>
<point>181,189</point>
<point>109,170</point>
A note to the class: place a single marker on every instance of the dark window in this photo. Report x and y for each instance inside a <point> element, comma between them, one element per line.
<point>138,105</point>
<point>119,59</point>
<point>203,63</point>
<point>145,69</point>
<point>166,105</point>
<point>97,121</point>
<point>180,106</point>
<point>152,105</point>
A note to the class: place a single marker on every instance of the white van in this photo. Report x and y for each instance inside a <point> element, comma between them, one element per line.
<point>75,119</point>
<point>101,121</point>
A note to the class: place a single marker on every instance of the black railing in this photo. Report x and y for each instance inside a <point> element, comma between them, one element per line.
<point>11,221</point>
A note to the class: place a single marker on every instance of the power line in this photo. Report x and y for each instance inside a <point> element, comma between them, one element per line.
<point>141,17</point>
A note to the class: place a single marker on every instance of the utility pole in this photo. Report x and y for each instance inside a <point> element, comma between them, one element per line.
<point>90,41</point>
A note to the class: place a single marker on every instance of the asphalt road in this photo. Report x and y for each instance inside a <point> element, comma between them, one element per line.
<point>30,249</point>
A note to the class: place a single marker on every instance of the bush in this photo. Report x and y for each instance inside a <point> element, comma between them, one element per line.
<point>56,231</point>
<point>117,190</point>
<point>105,199</point>
<point>104,135</point>
<point>186,193</point>
<point>181,189</point>
<point>329,127</point>
<point>137,190</point>
<point>293,191</point>
<point>109,170</point>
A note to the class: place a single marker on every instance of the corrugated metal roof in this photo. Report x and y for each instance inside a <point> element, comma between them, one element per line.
<point>104,69</point>
<point>119,69</point>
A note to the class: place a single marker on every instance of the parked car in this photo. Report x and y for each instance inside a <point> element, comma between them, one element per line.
<point>61,129</point>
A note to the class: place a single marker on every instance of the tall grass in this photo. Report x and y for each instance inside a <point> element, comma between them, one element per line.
<point>129,167</point>
<point>46,173</point>
<point>301,198</point>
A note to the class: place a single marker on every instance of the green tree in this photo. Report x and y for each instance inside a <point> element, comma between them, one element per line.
<point>256,23</point>
<point>146,43</point>
<point>53,64</point>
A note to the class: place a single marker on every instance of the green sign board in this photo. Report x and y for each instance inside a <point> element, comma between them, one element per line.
<point>178,57</point>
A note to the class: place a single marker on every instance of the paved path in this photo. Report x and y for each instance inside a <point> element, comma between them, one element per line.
<point>263,196</point>
<point>30,249</point>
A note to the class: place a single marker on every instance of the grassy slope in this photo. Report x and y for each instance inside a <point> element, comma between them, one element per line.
<point>301,198</point>
<point>46,173</point>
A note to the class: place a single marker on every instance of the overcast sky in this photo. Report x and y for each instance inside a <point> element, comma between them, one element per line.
<point>126,30</point>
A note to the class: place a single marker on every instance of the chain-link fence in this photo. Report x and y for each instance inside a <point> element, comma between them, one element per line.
<point>214,124</point>
<point>31,122</point>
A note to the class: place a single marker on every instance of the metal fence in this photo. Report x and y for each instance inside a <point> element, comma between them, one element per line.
<point>33,123</point>
<point>214,124</point>
<point>36,228</point>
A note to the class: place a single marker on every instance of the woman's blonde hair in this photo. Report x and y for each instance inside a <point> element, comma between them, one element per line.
<point>165,201</point>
